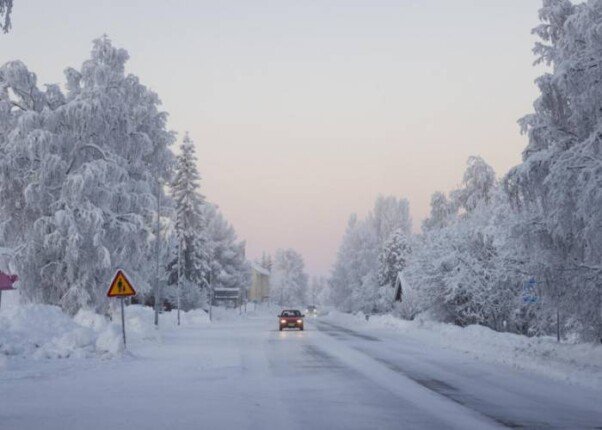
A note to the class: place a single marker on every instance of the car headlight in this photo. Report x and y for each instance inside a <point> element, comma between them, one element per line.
<point>283,321</point>
<point>299,321</point>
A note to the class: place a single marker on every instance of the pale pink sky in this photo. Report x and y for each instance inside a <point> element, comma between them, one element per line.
<point>304,111</point>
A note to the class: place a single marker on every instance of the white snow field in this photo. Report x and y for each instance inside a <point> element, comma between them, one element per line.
<point>240,372</point>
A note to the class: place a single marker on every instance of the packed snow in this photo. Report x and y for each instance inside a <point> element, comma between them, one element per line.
<point>577,363</point>
<point>44,331</point>
<point>240,372</point>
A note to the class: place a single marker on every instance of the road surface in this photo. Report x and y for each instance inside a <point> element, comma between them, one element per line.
<point>242,373</point>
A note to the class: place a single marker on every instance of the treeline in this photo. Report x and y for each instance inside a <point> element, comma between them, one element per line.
<point>523,253</point>
<point>86,173</point>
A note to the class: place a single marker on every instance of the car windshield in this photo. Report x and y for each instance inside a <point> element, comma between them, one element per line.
<point>292,313</point>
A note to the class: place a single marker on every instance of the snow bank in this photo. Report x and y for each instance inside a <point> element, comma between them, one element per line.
<point>576,363</point>
<point>193,318</point>
<point>139,323</point>
<point>43,331</point>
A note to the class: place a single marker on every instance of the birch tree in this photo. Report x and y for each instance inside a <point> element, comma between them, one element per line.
<point>79,178</point>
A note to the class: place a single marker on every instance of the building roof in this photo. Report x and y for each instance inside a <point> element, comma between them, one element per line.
<point>259,269</point>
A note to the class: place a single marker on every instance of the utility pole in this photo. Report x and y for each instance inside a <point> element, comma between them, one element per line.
<point>158,250</point>
<point>179,274</point>
<point>557,324</point>
<point>210,297</point>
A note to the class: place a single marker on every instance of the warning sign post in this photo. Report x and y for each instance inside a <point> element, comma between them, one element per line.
<point>121,287</point>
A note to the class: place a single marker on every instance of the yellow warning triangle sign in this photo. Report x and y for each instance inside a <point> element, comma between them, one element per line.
<point>121,286</point>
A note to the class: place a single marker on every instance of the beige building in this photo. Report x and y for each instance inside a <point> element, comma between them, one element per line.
<point>260,284</point>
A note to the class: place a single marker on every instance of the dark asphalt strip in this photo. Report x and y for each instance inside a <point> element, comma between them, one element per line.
<point>336,328</point>
<point>435,385</point>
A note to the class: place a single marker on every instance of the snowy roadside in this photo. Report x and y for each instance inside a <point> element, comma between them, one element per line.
<point>575,363</point>
<point>45,332</point>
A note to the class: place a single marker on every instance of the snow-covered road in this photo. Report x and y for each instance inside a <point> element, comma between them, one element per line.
<point>245,374</point>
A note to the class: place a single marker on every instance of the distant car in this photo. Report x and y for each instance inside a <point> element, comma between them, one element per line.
<point>311,311</point>
<point>290,318</point>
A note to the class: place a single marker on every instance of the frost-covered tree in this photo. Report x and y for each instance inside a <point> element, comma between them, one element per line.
<point>79,178</point>
<point>482,243</point>
<point>466,269</point>
<point>478,184</point>
<point>390,214</point>
<point>192,255</point>
<point>317,288</point>
<point>558,184</point>
<point>355,259</point>
<point>393,258</point>
<point>265,261</point>
<point>6,8</point>
<point>441,210</point>
<point>229,267</point>
<point>288,283</point>
<point>354,282</point>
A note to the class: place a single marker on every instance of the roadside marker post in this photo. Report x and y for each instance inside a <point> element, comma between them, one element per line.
<point>121,287</point>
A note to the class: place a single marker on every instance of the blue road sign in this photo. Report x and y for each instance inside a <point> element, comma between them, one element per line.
<point>529,293</point>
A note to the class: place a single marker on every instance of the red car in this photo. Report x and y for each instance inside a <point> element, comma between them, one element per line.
<point>290,318</point>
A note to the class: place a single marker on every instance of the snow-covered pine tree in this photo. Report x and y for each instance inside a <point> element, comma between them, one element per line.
<point>192,255</point>
<point>79,178</point>
<point>229,267</point>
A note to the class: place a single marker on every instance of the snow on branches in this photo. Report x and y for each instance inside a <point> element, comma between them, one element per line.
<point>289,282</point>
<point>79,175</point>
<point>6,8</point>
<point>191,254</point>
<point>483,242</point>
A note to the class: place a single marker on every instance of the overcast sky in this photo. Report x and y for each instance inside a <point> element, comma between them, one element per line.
<point>304,111</point>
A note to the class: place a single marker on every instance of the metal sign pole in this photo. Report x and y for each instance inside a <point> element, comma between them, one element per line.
<point>210,297</point>
<point>122,320</point>
<point>179,274</point>
<point>122,288</point>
